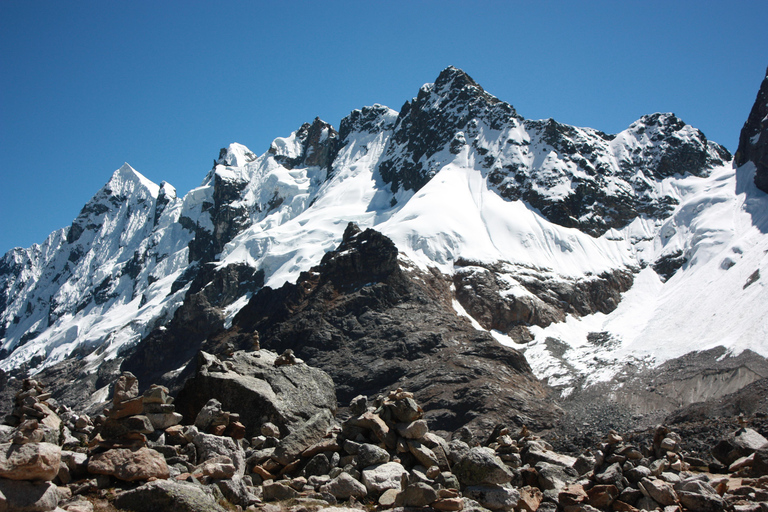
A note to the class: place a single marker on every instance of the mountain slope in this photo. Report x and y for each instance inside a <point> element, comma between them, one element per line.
<point>588,251</point>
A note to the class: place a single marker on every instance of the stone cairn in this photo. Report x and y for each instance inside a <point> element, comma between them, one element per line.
<point>139,456</point>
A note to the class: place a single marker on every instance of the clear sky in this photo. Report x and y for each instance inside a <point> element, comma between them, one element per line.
<point>88,85</point>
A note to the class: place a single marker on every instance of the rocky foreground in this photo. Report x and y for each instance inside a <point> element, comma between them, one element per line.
<point>277,444</point>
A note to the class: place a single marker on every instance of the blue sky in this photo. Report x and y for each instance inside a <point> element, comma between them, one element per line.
<point>86,86</point>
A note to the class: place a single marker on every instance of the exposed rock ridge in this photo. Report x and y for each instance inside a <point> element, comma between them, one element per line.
<point>393,326</point>
<point>753,141</point>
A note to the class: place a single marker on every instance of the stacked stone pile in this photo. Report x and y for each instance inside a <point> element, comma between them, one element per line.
<point>381,456</point>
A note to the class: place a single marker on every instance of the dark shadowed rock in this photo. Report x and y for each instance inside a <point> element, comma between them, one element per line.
<point>399,328</point>
<point>753,141</point>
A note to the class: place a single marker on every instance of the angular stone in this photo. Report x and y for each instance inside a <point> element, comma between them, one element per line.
<point>448,504</point>
<point>601,496</point>
<point>344,487</point>
<point>126,388</point>
<point>414,430</point>
<point>659,491</point>
<point>378,479</point>
<point>278,491</point>
<point>530,499</point>
<point>217,467</point>
<point>162,421</point>
<point>418,494</point>
<point>424,455</point>
<point>370,455</point>
<point>129,465</point>
<point>407,410</point>
<point>33,461</point>
<point>494,497</point>
<point>209,446</point>
<point>303,437</point>
<point>126,408</point>
<point>388,498</point>
<point>535,454</point>
<point>24,496</point>
<point>156,395</point>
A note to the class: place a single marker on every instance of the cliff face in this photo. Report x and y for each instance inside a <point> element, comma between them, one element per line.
<point>753,141</point>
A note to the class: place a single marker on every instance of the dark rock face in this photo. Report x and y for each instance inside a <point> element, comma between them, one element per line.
<point>170,347</point>
<point>250,384</point>
<point>318,141</point>
<point>664,146</point>
<point>753,141</point>
<point>543,298</point>
<point>229,217</point>
<point>429,122</point>
<point>375,326</point>
<point>602,181</point>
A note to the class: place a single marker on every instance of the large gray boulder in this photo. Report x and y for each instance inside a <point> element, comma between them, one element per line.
<point>481,466</point>
<point>164,495</point>
<point>251,385</point>
<point>23,496</point>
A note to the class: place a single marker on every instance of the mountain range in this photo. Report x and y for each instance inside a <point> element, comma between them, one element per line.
<point>504,269</point>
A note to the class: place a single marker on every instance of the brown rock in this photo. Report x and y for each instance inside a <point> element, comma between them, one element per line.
<point>263,473</point>
<point>324,445</point>
<point>129,465</point>
<point>126,388</point>
<point>33,461</point>
<point>602,496</point>
<point>126,408</point>
<point>448,504</point>
<point>530,499</point>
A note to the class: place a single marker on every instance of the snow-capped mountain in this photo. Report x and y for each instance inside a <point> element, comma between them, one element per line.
<point>587,251</point>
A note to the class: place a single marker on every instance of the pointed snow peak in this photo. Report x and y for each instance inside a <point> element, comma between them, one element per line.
<point>126,177</point>
<point>753,140</point>
<point>235,155</point>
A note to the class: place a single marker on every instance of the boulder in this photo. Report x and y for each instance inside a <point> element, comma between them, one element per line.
<point>129,465</point>
<point>482,466</point>
<point>493,497</point>
<point>23,496</point>
<point>32,461</point>
<point>252,386</point>
<point>344,487</point>
<point>659,491</point>
<point>303,436</point>
<point>370,455</point>
<point>739,444</point>
<point>418,494</point>
<point>210,446</point>
<point>382,477</point>
<point>165,495</point>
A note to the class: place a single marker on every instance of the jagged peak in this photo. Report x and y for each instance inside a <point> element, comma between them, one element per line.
<point>455,78</point>
<point>310,145</point>
<point>369,119</point>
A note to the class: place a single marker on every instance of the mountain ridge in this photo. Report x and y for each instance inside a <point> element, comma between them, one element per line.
<point>458,181</point>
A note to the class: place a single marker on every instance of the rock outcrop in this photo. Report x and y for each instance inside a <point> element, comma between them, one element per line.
<point>259,390</point>
<point>373,323</point>
<point>753,141</point>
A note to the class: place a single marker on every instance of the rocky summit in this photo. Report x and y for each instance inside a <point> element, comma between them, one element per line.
<point>445,307</point>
